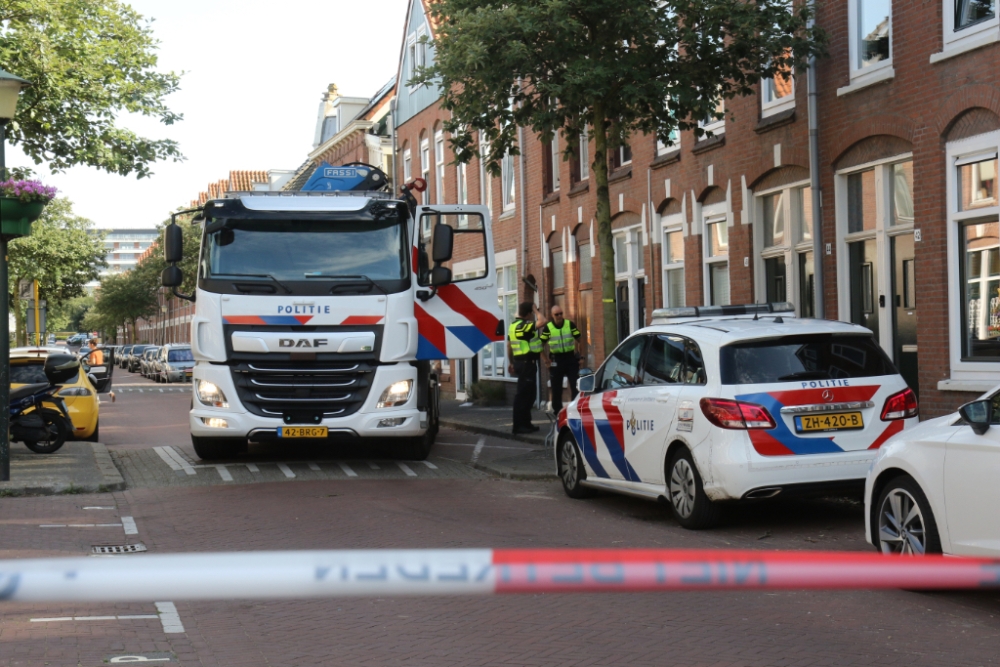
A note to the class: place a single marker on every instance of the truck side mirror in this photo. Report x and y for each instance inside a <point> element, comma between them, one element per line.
<point>171,277</point>
<point>173,244</point>
<point>978,415</point>
<point>444,239</point>
<point>440,275</point>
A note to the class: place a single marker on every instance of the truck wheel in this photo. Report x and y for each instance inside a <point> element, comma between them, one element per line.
<point>211,449</point>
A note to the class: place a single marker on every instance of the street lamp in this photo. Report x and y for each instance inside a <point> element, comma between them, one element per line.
<point>10,88</point>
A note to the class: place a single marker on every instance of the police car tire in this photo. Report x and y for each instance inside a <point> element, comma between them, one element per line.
<point>210,449</point>
<point>573,488</point>
<point>705,513</point>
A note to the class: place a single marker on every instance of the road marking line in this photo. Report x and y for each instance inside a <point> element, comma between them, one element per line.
<point>373,465</point>
<point>430,465</point>
<point>224,473</point>
<point>405,468</point>
<point>169,617</point>
<point>128,523</point>
<point>313,466</point>
<point>161,391</point>
<point>169,454</point>
<point>347,469</point>
<point>166,459</point>
<point>81,525</point>
<point>285,469</point>
<point>252,467</point>
<point>126,617</point>
<point>478,450</point>
<point>99,508</point>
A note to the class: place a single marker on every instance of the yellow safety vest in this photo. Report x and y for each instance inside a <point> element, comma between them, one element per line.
<point>524,338</point>
<point>561,340</point>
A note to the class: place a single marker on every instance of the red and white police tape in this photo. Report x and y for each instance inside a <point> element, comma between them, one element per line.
<point>310,574</point>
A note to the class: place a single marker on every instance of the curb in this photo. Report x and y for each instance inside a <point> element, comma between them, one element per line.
<point>506,474</point>
<point>112,478</point>
<point>486,430</point>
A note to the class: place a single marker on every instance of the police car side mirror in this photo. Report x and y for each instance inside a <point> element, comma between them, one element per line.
<point>978,415</point>
<point>586,383</point>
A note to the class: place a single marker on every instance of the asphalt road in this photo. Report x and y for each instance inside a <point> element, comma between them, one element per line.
<point>450,506</point>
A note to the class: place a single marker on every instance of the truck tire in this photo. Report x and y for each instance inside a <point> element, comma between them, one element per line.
<point>211,449</point>
<point>419,448</point>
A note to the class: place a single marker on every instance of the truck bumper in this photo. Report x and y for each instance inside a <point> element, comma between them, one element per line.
<point>368,422</point>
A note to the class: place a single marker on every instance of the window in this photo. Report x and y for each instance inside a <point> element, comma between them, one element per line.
<point>439,167</point>
<point>621,156</point>
<point>971,12</point>
<point>507,181</point>
<point>425,169</point>
<point>485,179</point>
<point>774,220</point>
<point>805,356</point>
<point>777,94</point>
<point>981,297</point>
<point>407,165</point>
<point>967,21</point>
<point>977,184</point>
<point>861,211</point>
<point>784,267</point>
<point>586,263</point>
<point>462,190</point>
<point>715,123</point>
<point>674,143</point>
<point>673,269</point>
<point>717,247</point>
<point>583,320</point>
<point>558,270</point>
<point>621,254</point>
<point>552,159</point>
<point>416,52</point>
<point>622,369</point>
<point>664,361</point>
<point>584,156</point>
<point>492,358</point>
<point>871,27</point>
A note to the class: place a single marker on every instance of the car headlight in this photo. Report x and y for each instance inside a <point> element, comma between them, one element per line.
<point>209,394</point>
<point>74,391</point>
<point>396,394</point>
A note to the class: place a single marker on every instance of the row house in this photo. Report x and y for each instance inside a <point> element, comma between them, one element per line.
<point>907,231</point>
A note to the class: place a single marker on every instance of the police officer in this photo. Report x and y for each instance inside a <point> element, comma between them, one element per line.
<point>523,349</point>
<point>562,337</point>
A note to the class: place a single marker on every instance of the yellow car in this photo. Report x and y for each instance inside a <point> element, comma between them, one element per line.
<point>80,395</point>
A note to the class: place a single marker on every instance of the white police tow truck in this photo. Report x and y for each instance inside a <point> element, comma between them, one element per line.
<point>318,313</point>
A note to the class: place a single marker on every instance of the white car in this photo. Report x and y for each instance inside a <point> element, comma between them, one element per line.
<point>724,408</point>
<point>936,488</point>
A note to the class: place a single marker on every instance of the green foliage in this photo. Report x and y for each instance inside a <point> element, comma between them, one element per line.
<point>68,315</point>
<point>63,253</point>
<point>88,62</point>
<point>485,392</point>
<point>611,68</point>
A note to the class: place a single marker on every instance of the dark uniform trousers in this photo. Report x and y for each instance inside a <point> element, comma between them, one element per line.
<point>526,370</point>
<point>566,366</point>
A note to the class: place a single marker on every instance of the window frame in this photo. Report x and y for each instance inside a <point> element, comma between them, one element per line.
<point>714,126</point>
<point>715,214</point>
<point>672,224</point>
<point>858,74</point>
<point>768,106</point>
<point>953,39</point>
<point>485,178</point>
<point>508,183</point>
<point>439,167</point>
<point>425,172</point>
<point>794,246</point>
<point>962,369</point>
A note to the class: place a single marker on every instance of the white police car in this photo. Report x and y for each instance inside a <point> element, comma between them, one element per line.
<point>710,405</point>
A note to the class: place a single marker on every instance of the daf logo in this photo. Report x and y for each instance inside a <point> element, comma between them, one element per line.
<point>302,342</point>
<point>827,395</point>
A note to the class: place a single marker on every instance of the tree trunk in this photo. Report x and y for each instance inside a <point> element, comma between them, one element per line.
<point>605,241</point>
<point>135,338</point>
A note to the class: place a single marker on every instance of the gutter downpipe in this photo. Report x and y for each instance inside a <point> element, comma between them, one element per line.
<point>392,112</point>
<point>652,234</point>
<point>524,215</point>
<point>819,300</point>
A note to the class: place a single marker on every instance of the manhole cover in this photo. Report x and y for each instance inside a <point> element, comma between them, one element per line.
<point>118,548</point>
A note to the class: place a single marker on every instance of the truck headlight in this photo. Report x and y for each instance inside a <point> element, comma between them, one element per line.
<point>396,394</point>
<point>209,394</point>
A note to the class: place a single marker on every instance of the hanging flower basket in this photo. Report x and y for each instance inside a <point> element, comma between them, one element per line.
<point>21,203</point>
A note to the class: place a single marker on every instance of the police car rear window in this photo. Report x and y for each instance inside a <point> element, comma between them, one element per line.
<point>803,358</point>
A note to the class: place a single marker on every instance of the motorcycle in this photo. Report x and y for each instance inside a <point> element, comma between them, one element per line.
<point>33,421</point>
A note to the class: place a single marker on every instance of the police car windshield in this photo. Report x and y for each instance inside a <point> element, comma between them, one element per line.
<point>803,358</point>
<point>292,250</point>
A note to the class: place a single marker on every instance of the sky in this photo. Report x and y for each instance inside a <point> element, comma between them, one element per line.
<point>254,73</point>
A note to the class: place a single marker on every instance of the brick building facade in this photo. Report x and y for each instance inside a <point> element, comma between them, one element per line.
<point>909,126</point>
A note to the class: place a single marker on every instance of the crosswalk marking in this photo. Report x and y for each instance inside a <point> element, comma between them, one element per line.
<point>313,466</point>
<point>285,469</point>
<point>405,468</point>
<point>347,469</point>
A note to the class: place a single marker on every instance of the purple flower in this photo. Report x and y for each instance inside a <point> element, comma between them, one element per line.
<point>27,191</point>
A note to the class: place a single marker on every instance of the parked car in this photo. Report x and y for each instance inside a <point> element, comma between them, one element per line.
<point>704,407</point>
<point>174,363</point>
<point>135,357</point>
<point>147,360</point>
<point>77,339</point>
<point>80,394</point>
<point>933,488</point>
<point>122,359</point>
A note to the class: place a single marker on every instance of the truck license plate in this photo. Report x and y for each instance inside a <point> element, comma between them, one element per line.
<point>302,432</point>
<point>835,421</point>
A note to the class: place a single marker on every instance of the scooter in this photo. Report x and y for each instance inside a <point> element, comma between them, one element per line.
<point>33,421</point>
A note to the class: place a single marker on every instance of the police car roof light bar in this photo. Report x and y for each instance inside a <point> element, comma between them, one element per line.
<point>724,311</point>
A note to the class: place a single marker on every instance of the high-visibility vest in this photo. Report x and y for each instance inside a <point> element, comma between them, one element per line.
<point>561,340</point>
<point>523,338</point>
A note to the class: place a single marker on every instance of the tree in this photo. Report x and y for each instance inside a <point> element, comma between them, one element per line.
<point>63,253</point>
<point>124,298</point>
<point>611,68</point>
<point>69,315</point>
<point>88,61</point>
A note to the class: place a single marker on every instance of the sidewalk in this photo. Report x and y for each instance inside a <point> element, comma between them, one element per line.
<point>78,467</point>
<point>534,462</point>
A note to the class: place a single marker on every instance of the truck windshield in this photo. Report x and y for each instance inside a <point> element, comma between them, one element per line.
<point>296,250</point>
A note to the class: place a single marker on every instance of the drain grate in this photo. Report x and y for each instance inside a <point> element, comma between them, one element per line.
<point>118,548</point>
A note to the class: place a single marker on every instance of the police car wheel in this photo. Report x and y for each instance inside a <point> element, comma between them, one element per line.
<point>690,506</point>
<point>571,470</point>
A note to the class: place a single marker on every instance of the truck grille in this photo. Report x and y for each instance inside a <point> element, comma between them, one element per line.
<point>299,392</point>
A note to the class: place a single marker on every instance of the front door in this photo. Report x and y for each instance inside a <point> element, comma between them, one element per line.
<point>864,284</point>
<point>621,303</point>
<point>904,309</point>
